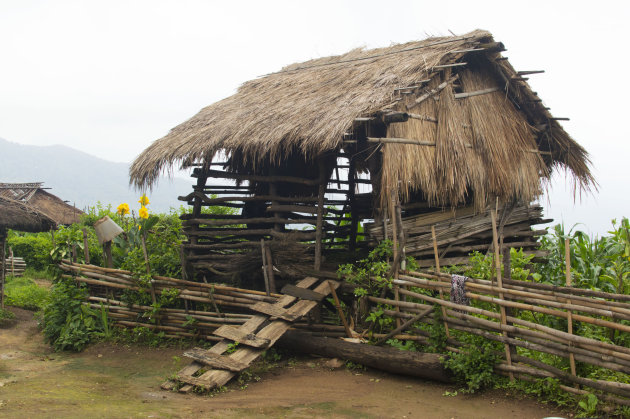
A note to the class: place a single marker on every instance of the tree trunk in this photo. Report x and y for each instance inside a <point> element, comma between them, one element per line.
<point>388,359</point>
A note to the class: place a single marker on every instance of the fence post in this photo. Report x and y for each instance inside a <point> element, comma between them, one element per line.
<point>567,261</point>
<point>497,264</point>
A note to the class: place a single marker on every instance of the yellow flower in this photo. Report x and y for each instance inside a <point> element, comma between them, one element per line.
<point>144,212</point>
<point>123,209</point>
<point>144,200</point>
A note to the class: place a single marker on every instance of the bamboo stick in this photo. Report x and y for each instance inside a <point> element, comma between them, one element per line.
<point>437,269</point>
<point>497,264</point>
<point>567,261</point>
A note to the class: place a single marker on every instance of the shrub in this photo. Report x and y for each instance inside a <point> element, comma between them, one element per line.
<point>34,248</point>
<point>68,323</point>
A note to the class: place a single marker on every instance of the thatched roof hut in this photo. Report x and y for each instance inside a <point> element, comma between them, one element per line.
<point>35,195</point>
<point>434,124</point>
<point>19,216</point>
<point>485,142</point>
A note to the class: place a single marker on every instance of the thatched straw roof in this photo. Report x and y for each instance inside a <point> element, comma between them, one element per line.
<point>19,216</point>
<point>36,197</point>
<point>309,106</point>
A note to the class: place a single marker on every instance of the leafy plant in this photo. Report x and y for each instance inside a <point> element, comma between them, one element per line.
<point>588,406</point>
<point>474,364</point>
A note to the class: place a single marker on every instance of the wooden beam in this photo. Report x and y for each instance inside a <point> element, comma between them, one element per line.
<point>237,335</point>
<point>214,360</point>
<point>477,93</point>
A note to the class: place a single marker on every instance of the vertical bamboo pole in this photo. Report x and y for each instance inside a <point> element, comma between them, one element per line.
<point>354,222</point>
<point>437,269</point>
<point>86,248</point>
<point>12,262</point>
<point>567,262</point>
<point>264,266</point>
<point>339,310</point>
<point>497,264</point>
<point>270,274</point>
<point>320,215</point>
<point>146,262</point>
<point>107,250</point>
<point>4,268</point>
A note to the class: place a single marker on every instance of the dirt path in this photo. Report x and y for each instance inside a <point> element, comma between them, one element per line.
<point>117,381</point>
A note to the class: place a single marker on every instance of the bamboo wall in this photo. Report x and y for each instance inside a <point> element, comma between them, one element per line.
<point>302,219</point>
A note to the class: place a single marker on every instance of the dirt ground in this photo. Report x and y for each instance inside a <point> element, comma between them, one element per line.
<point>120,381</point>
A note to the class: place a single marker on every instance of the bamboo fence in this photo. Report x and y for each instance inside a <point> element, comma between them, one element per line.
<point>608,311</point>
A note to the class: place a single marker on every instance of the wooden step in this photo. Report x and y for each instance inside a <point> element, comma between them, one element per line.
<point>240,336</point>
<point>273,311</point>
<point>215,361</point>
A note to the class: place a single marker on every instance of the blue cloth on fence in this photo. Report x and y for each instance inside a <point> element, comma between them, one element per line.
<point>458,290</point>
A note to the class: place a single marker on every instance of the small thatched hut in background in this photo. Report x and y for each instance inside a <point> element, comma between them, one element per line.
<point>433,132</point>
<point>35,195</point>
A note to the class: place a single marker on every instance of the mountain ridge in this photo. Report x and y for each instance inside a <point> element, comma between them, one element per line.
<point>83,179</point>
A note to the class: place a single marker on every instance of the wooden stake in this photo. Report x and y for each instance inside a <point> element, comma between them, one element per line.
<point>86,248</point>
<point>4,268</point>
<point>107,250</point>
<point>320,216</point>
<point>339,310</point>
<point>146,262</point>
<point>12,264</point>
<point>497,264</point>
<point>437,269</point>
<point>264,266</point>
<point>567,261</point>
<point>270,275</point>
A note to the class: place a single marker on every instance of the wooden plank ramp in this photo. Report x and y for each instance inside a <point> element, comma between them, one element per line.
<point>254,336</point>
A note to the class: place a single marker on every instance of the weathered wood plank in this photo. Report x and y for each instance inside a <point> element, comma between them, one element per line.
<point>237,335</point>
<point>274,311</point>
<point>249,326</point>
<point>301,293</point>
<point>215,361</point>
<point>272,332</point>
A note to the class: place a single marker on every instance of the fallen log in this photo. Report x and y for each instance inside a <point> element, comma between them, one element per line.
<point>388,359</point>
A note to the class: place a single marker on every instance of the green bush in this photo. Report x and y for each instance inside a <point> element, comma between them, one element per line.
<point>67,322</point>
<point>34,248</point>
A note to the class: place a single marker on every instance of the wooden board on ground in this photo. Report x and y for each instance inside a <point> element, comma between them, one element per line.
<point>245,355</point>
<point>214,360</point>
<point>273,311</point>
<point>237,335</point>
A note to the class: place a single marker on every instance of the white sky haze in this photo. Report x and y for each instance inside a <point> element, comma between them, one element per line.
<point>110,77</point>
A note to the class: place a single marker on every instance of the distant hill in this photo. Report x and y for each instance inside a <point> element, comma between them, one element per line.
<point>83,179</point>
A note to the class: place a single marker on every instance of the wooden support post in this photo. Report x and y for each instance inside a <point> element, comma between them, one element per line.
<point>567,262</point>
<point>3,236</point>
<point>270,275</point>
<point>497,265</point>
<point>354,222</point>
<point>86,248</point>
<point>437,269</point>
<point>339,310</point>
<point>12,263</point>
<point>397,298</point>
<point>148,266</point>
<point>107,250</point>
<point>264,266</point>
<point>320,215</point>
<point>183,263</point>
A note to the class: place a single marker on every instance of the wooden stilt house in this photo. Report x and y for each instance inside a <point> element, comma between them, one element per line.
<point>325,158</point>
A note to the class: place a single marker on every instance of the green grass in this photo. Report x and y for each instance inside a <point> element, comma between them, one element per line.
<point>25,293</point>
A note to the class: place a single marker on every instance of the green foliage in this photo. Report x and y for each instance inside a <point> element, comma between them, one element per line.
<point>68,323</point>
<point>474,365</point>
<point>34,248</point>
<point>6,315</point>
<point>588,406</point>
<point>544,389</point>
<point>407,345</point>
<point>25,293</point>
<point>372,273</point>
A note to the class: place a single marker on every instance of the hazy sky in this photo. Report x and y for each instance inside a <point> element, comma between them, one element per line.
<point>110,77</point>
